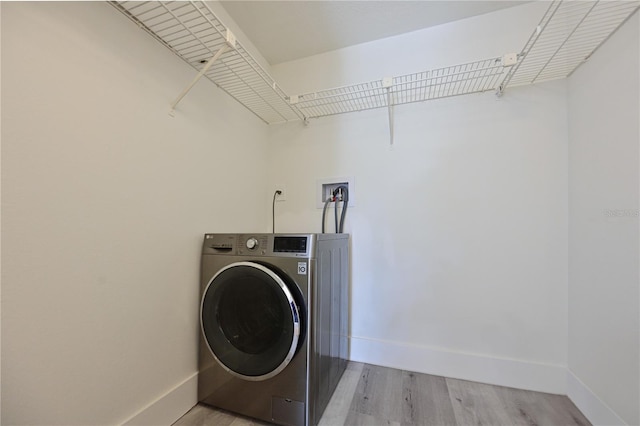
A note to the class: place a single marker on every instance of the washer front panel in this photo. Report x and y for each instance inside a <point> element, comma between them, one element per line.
<point>250,320</point>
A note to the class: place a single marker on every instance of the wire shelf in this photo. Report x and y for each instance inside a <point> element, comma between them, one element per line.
<point>568,34</point>
<point>194,33</point>
<point>473,77</point>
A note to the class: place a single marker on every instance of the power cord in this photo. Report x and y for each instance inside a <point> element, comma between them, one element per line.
<point>273,210</point>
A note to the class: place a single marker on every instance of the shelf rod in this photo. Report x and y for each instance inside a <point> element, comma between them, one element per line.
<point>202,72</point>
<point>387,84</point>
<point>390,118</point>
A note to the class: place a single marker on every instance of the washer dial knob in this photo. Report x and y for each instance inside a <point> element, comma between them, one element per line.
<point>252,243</point>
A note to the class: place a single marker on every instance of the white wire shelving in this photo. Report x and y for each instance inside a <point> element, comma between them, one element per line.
<point>193,32</point>
<point>567,35</point>
<point>445,82</point>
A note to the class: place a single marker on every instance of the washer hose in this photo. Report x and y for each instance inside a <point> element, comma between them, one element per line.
<point>345,203</point>
<point>324,211</point>
<point>335,212</point>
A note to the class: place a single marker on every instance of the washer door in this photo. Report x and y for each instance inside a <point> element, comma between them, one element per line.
<point>250,320</point>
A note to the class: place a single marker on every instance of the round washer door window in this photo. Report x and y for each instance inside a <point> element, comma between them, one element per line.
<point>250,320</point>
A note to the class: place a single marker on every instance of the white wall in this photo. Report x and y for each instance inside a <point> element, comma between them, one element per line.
<point>105,199</point>
<point>604,315</point>
<point>483,37</point>
<point>459,236</point>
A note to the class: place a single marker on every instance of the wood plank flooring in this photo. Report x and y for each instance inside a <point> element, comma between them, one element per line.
<point>369,395</point>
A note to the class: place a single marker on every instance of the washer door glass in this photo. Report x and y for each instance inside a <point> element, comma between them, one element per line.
<point>250,320</point>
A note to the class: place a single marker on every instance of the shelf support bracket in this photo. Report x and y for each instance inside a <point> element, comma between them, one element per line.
<point>508,60</point>
<point>293,100</point>
<point>230,44</point>
<point>387,84</point>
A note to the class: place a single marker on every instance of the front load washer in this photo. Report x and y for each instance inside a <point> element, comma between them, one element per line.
<point>274,320</point>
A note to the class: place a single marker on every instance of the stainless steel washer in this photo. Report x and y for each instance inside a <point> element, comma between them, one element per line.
<point>274,323</point>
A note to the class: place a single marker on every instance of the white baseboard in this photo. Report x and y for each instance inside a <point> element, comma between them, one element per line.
<point>467,366</point>
<point>169,407</point>
<point>588,402</point>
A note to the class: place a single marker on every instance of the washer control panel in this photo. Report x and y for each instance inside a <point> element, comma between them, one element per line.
<point>253,244</point>
<point>281,245</point>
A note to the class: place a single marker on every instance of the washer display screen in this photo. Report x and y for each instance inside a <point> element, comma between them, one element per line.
<point>290,244</point>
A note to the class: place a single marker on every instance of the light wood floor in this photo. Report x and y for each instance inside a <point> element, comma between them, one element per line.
<point>370,395</point>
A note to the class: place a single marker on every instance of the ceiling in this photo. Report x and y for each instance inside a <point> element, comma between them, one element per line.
<point>291,29</point>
